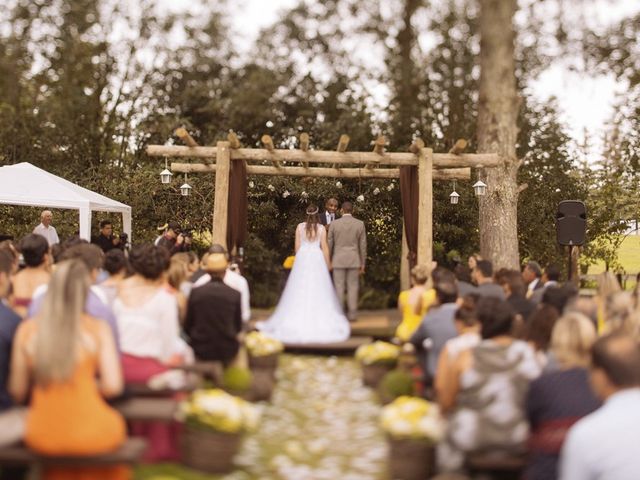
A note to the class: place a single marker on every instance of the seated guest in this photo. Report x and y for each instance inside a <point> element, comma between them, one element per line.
<point>538,328</point>
<point>9,321</point>
<point>607,285</point>
<point>604,444</point>
<point>147,317</point>
<point>483,276</point>
<point>35,253</point>
<point>231,278</point>
<point>214,318</point>
<point>71,361</point>
<point>550,278</point>
<point>488,390</point>
<point>96,304</point>
<point>532,277</point>
<point>468,328</point>
<point>559,296</point>
<point>415,302</point>
<point>8,247</point>
<point>557,399</point>
<point>116,265</point>
<point>465,284</point>
<point>177,281</point>
<point>621,314</point>
<point>515,292</point>
<point>437,325</point>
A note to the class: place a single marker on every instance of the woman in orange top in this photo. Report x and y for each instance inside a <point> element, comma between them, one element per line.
<point>60,352</point>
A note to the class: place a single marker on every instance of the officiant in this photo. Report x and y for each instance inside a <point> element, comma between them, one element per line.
<point>330,212</point>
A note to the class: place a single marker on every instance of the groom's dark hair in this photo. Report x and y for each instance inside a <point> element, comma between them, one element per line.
<point>347,207</point>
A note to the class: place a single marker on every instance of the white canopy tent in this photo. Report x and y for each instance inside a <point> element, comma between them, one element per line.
<point>28,185</point>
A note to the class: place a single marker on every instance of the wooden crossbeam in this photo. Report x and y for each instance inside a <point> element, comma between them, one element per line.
<point>444,174</point>
<point>440,160</point>
<point>458,147</point>
<point>268,144</point>
<point>183,135</point>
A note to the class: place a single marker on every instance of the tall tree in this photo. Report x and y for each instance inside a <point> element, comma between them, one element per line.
<point>497,132</point>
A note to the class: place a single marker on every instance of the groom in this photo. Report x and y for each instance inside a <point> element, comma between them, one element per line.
<point>348,251</point>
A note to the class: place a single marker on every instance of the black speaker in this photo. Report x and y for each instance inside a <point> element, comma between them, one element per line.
<point>571,222</point>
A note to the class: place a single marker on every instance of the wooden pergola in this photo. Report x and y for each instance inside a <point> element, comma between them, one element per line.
<point>305,162</point>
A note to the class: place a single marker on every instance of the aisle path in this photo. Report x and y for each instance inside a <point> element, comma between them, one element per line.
<point>321,424</point>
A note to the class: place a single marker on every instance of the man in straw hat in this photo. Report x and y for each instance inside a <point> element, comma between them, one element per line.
<point>214,320</point>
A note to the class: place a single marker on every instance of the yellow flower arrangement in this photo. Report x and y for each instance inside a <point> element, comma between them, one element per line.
<point>258,344</point>
<point>378,352</point>
<point>214,409</point>
<point>413,418</point>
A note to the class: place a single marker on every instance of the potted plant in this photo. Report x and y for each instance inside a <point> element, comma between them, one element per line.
<point>237,381</point>
<point>394,384</point>
<point>214,424</point>
<point>413,427</point>
<point>377,359</point>
<point>263,350</point>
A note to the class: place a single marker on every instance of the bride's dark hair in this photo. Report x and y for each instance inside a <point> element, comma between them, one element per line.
<point>311,226</point>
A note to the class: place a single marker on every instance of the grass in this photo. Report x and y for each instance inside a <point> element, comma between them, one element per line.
<point>628,256</point>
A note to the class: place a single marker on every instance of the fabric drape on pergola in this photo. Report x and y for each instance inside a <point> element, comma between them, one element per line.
<point>238,206</point>
<point>409,194</point>
<point>25,184</point>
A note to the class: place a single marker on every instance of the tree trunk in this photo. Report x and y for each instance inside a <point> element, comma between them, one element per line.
<point>497,132</point>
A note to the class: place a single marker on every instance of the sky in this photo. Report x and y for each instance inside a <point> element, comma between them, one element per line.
<point>586,103</point>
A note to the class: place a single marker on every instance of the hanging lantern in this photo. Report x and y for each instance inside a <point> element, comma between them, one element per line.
<point>480,188</point>
<point>185,189</point>
<point>454,197</point>
<point>165,175</point>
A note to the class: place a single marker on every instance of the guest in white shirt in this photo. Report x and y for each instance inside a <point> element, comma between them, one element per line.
<point>46,229</point>
<point>604,444</point>
<point>232,279</point>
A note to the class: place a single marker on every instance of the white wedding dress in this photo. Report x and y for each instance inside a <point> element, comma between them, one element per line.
<point>308,310</point>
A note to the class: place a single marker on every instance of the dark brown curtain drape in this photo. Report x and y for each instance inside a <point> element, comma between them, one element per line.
<point>238,205</point>
<point>409,196</point>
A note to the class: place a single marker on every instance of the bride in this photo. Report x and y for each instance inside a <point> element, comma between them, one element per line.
<point>309,310</point>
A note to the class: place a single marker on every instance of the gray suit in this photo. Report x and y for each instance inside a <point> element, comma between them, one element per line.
<point>348,251</point>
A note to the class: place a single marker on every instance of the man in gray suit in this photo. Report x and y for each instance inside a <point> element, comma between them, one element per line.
<point>348,251</point>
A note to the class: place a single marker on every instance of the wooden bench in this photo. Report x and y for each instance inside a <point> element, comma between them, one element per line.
<point>148,409</point>
<point>19,455</point>
<point>496,465</point>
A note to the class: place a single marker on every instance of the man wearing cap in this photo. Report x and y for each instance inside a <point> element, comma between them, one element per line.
<point>214,320</point>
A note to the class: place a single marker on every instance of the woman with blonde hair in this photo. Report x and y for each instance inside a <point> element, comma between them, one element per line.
<point>559,398</point>
<point>414,302</point>
<point>71,360</point>
<point>607,285</point>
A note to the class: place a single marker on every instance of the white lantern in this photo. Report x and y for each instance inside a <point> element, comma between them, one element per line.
<point>480,188</point>
<point>185,189</point>
<point>165,176</point>
<point>454,197</point>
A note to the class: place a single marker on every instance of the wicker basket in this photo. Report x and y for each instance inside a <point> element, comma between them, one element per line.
<point>372,374</point>
<point>262,385</point>
<point>264,362</point>
<point>209,451</point>
<point>411,459</point>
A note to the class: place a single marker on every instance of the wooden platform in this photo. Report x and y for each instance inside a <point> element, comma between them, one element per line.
<point>380,324</point>
<point>347,347</point>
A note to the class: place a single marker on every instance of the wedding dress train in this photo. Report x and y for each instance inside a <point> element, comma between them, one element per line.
<point>308,310</point>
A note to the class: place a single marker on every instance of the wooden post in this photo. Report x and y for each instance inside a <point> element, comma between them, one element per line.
<point>404,262</point>
<point>416,146</point>
<point>304,145</point>
<point>221,194</point>
<point>378,148</point>
<point>268,144</point>
<point>425,207</point>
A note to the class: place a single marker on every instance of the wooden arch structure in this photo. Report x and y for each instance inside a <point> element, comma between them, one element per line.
<point>304,162</point>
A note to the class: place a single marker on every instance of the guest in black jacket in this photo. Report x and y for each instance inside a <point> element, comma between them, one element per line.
<point>214,319</point>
